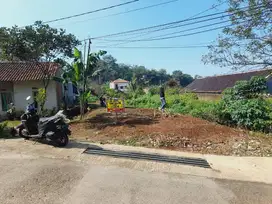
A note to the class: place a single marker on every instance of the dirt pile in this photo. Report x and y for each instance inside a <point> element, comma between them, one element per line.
<point>149,128</point>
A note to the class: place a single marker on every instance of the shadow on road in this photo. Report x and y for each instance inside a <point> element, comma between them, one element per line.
<point>81,145</point>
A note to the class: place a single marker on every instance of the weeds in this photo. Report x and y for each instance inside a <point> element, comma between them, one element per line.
<point>4,130</point>
<point>241,106</point>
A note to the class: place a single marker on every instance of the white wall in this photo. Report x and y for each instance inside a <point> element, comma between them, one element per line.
<point>124,84</point>
<point>24,89</point>
<point>112,85</point>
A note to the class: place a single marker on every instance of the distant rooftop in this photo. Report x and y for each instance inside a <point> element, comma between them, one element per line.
<point>221,82</point>
<point>120,81</point>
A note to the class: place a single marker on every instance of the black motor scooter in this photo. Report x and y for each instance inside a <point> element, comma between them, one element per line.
<point>54,129</point>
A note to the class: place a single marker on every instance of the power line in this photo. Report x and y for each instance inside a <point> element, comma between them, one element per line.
<point>182,31</point>
<point>89,12</point>
<point>178,26</point>
<point>208,9</point>
<point>165,24</point>
<point>190,29</point>
<point>157,26</point>
<point>124,12</point>
<point>156,47</point>
<point>188,34</point>
<point>199,32</point>
<point>195,15</point>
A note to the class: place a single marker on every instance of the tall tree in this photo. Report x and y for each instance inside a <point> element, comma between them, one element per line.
<point>108,67</point>
<point>183,79</point>
<point>248,42</point>
<point>112,70</point>
<point>198,77</point>
<point>186,80</point>
<point>36,43</point>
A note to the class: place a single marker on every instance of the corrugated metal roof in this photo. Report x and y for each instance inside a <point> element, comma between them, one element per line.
<point>26,71</point>
<point>220,83</point>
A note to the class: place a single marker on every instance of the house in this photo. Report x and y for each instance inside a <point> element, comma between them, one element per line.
<point>119,84</point>
<point>19,80</point>
<point>212,87</point>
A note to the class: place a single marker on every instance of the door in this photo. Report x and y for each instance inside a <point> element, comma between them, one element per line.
<point>6,99</point>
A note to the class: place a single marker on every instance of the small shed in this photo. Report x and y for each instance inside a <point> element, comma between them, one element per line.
<point>119,84</point>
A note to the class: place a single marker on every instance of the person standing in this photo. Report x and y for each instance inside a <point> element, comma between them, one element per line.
<point>162,96</point>
<point>102,101</point>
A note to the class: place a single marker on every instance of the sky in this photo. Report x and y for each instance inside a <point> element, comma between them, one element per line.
<point>26,12</point>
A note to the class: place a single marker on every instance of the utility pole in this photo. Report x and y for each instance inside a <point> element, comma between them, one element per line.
<point>89,46</point>
<point>87,62</point>
<point>82,102</point>
<point>84,53</point>
<point>86,66</point>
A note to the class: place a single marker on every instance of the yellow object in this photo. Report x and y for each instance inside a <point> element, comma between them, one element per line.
<point>115,104</point>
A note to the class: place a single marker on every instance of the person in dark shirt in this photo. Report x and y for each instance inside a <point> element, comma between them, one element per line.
<point>162,96</point>
<point>102,101</point>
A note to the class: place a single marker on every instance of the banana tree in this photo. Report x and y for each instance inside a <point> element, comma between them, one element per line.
<point>84,71</point>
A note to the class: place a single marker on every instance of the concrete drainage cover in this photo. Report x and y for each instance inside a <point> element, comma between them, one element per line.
<point>152,157</point>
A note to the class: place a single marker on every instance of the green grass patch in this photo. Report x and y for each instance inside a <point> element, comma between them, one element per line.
<point>187,103</point>
<point>11,123</point>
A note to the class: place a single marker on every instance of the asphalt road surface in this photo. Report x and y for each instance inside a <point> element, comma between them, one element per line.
<point>46,180</point>
<point>36,173</point>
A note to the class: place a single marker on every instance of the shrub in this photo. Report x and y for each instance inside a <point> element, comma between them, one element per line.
<point>244,106</point>
<point>145,101</point>
<point>41,98</point>
<point>112,93</point>
<point>189,96</point>
<point>171,91</point>
<point>131,94</point>
<point>153,90</point>
<point>4,132</point>
<point>253,114</point>
<point>92,99</point>
<point>172,83</point>
<point>194,107</point>
<point>49,112</point>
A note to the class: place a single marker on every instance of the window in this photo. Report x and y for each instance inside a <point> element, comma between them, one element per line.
<point>6,99</point>
<point>121,87</point>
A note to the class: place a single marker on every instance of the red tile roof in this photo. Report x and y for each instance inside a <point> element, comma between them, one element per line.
<point>120,81</point>
<point>220,83</point>
<point>26,71</point>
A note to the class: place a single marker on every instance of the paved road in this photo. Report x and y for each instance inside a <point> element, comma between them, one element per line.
<point>29,178</point>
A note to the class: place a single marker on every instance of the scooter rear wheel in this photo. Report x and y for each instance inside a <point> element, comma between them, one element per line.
<point>62,140</point>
